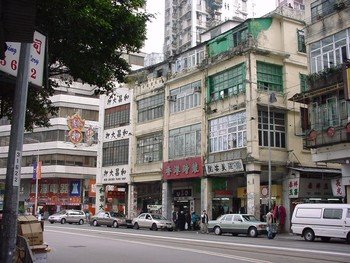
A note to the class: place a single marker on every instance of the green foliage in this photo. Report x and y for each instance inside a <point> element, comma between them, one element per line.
<point>86,39</point>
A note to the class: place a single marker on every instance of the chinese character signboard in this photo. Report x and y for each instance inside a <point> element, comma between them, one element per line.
<point>338,188</point>
<point>185,168</point>
<point>312,187</point>
<point>117,174</point>
<point>36,63</point>
<point>293,188</point>
<point>225,167</point>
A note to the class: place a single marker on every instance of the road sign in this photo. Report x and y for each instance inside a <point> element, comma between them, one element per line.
<point>37,59</point>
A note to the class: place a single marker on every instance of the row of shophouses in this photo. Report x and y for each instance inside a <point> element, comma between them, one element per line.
<point>211,128</point>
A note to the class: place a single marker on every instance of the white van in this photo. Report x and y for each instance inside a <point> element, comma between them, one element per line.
<point>322,220</point>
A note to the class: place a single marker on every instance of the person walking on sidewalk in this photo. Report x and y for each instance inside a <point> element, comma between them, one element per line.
<point>204,222</point>
<point>270,221</point>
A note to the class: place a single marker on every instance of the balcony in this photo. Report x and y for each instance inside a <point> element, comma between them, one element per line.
<point>325,78</point>
<point>327,136</point>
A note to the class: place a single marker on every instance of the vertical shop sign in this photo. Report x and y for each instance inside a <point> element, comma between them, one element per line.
<point>293,188</point>
<point>74,188</point>
<point>338,188</point>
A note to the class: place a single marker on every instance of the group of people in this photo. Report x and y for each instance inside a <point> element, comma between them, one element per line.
<point>190,221</point>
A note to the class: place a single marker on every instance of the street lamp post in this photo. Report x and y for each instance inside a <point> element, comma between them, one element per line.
<point>36,183</point>
<point>271,99</point>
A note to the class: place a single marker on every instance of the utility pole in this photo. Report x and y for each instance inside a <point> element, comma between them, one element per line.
<point>13,173</point>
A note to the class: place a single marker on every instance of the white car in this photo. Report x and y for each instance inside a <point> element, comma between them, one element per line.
<point>153,222</point>
<point>68,216</point>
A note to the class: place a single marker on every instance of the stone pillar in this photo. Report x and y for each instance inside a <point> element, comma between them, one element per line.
<point>132,201</point>
<point>206,196</point>
<point>100,198</point>
<point>166,200</point>
<point>253,190</point>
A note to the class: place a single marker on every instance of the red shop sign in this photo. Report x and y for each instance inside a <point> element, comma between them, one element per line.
<point>184,168</point>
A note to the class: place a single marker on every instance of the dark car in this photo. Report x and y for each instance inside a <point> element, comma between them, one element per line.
<point>110,219</point>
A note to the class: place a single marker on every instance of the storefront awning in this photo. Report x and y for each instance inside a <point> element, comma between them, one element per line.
<point>315,170</point>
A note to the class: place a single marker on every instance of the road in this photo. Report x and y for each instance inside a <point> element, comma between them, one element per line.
<point>74,243</point>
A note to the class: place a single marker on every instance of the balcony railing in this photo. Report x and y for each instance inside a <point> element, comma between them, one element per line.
<point>328,135</point>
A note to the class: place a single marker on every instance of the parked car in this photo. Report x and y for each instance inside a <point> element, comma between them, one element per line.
<point>153,222</point>
<point>68,216</point>
<point>237,224</point>
<point>110,219</point>
<point>325,221</point>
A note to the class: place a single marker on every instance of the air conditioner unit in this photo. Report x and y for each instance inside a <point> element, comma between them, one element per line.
<point>197,89</point>
<point>171,98</point>
<point>148,159</point>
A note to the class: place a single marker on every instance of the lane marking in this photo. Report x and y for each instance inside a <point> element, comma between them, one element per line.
<point>253,260</point>
<point>218,242</point>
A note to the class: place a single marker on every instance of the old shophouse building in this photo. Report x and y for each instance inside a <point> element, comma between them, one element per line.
<point>198,134</point>
<point>326,89</point>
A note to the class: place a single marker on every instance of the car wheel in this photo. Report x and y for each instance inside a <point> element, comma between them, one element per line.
<point>170,229</point>
<point>52,222</point>
<point>252,232</point>
<point>63,221</point>
<point>325,239</point>
<point>217,230</point>
<point>154,227</point>
<point>309,235</point>
<point>348,238</point>
<point>95,223</point>
<point>136,226</point>
<point>115,224</point>
<point>81,221</point>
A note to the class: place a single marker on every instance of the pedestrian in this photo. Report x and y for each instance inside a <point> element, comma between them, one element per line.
<point>188,220</point>
<point>283,215</point>
<point>270,221</point>
<point>182,220</point>
<point>176,219</point>
<point>204,222</point>
<point>195,219</point>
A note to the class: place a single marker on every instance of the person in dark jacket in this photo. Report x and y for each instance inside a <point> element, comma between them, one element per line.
<point>182,220</point>
<point>188,220</point>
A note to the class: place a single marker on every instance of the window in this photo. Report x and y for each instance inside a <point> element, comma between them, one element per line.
<point>115,153</point>
<point>150,148</point>
<point>237,218</point>
<point>227,83</point>
<point>185,97</point>
<point>229,218</point>
<point>117,116</point>
<point>270,76</point>
<point>303,83</point>
<point>331,112</point>
<point>321,8</point>
<point>185,141</point>
<point>277,129</point>
<point>331,213</point>
<point>228,132</point>
<point>151,108</point>
<point>301,41</point>
<point>330,51</point>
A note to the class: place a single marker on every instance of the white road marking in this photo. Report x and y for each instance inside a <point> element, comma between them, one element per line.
<point>253,260</point>
<point>269,247</point>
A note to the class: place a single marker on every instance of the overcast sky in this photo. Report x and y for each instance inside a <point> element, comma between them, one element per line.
<point>155,29</point>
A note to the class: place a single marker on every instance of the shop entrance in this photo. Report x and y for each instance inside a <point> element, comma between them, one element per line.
<point>183,205</point>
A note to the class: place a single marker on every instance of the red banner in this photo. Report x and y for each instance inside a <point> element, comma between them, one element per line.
<point>184,168</point>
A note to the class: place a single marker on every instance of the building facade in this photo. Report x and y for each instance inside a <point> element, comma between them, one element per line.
<point>221,132</point>
<point>66,150</point>
<point>185,20</point>
<point>326,88</point>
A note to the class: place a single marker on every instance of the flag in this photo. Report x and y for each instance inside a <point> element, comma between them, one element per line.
<point>37,170</point>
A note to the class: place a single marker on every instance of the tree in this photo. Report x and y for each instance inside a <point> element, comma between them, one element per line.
<point>86,40</point>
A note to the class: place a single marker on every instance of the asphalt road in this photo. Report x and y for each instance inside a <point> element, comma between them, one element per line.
<point>74,243</point>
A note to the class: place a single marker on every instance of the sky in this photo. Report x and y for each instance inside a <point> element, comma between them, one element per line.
<point>155,28</point>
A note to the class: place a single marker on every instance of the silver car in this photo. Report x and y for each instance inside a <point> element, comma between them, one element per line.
<point>68,216</point>
<point>153,222</point>
<point>110,219</point>
<point>237,224</point>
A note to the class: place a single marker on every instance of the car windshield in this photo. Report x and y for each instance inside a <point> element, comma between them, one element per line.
<point>62,212</point>
<point>158,217</point>
<point>249,218</point>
